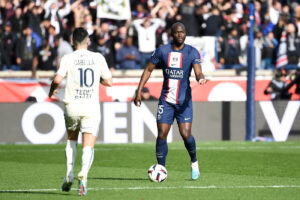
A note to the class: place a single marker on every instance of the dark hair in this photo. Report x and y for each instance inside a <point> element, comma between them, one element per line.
<point>79,34</point>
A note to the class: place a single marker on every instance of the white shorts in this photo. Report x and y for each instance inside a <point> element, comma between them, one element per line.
<point>85,124</point>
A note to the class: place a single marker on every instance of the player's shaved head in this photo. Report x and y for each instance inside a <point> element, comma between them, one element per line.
<point>177,24</point>
<point>178,33</point>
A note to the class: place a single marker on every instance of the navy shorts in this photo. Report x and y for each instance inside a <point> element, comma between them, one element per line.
<point>166,112</point>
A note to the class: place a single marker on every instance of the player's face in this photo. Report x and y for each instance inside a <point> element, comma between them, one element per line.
<point>179,34</point>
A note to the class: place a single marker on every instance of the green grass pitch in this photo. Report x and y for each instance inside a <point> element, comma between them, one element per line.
<point>229,170</point>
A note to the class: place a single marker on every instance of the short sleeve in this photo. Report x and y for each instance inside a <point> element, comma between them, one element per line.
<point>63,67</point>
<point>156,56</point>
<point>196,59</point>
<point>105,72</point>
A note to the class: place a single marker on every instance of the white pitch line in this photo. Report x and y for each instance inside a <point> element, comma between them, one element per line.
<point>170,148</point>
<point>238,148</point>
<point>166,188</point>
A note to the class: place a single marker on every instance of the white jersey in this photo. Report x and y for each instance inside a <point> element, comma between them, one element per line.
<point>83,70</point>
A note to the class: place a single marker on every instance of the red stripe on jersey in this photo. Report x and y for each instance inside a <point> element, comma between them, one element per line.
<point>177,92</point>
<point>169,58</point>
<point>168,87</point>
<point>180,64</point>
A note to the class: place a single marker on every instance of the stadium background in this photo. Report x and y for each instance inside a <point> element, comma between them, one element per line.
<point>210,26</point>
<point>229,169</point>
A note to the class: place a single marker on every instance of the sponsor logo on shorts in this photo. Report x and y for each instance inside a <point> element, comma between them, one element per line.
<point>158,117</point>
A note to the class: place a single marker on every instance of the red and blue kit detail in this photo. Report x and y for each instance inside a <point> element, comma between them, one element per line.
<point>176,66</point>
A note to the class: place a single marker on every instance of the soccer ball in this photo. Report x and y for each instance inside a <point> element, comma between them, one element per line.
<point>157,173</point>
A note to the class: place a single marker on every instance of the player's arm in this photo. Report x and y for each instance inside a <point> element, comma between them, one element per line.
<point>145,77</point>
<point>55,83</point>
<point>106,82</point>
<point>199,75</point>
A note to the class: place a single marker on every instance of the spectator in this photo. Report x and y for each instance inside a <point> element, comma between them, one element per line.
<point>55,11</point>
<point>88,24</point>
<point>268,51</point>
<point>34,18</point>
<point>17,22</point>
<point>45,26</point>
<point>26,52</point>
<point>213,24</point>
<point>230,23</point>
<point>231,51</point>
<point>293,46</point>
<point>120,38</point>
<point>274,11</point>
<point>187,15</point>
<point>128,55</point>
<point>258,45</point>
<point>31,99</point>
<point>258,13</point>
<point>146,29</point>
<point>297,18</point>
<point>105,49</point>
<point>9,46</point>
<point>140,9</point>
<point>277,85</point>
<point>51,35</point>
<point>146,96</point>
<point>295,80</point>
<point>47,59</point>
<point>62,47</point>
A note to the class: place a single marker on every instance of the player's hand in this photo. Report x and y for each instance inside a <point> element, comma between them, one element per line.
<point>202,81</point>
<point>52,95</point>
<point>138,100</point>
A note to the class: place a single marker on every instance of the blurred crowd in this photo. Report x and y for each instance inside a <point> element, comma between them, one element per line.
<point>35,34</point>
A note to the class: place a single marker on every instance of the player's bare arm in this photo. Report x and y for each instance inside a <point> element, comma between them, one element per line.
<point>199,75</point>
<point>55,83</point>
<point>106,82</point>
<point>145,77</point>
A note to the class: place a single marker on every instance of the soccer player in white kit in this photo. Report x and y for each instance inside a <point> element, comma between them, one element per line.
<point>84,70</point>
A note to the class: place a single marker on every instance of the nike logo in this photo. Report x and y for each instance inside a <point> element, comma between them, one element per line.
<point>187,118</point>
<point>172,65</point>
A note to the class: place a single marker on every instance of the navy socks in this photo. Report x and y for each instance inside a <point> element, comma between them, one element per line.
<point>190,146</point>
<point>161,151</point>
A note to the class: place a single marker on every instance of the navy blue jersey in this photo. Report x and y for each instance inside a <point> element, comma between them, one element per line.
<point>176,66</point>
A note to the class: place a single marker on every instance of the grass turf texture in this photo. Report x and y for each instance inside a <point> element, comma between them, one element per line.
<point>229,170</point>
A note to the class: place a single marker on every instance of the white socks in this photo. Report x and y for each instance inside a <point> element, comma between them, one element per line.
<point>87,159</point>
<point>195,165</point>
<point>71,156</point>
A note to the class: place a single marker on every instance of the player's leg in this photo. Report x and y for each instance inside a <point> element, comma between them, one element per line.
<point>184,117</point>
<point>161,143</point>
<point>88,142</point>
<point>165,117</point>
<point>89,129</point>
<point>70,150</point>
<point>189,141</point>
<point>190,145</point>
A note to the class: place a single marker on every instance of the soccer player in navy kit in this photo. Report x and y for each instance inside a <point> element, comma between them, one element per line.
<point>176,60</point>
